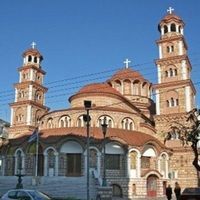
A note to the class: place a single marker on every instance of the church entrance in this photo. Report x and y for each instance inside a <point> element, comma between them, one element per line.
<point>152,186</point>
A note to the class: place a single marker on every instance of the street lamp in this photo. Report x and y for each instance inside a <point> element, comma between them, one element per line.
<point>87,119</point>
<point>19,172</point>
<point>104,130</point>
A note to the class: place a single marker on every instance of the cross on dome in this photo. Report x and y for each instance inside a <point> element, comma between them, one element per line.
<point>170,10</point>
<point>126,62</point>
<point>33,44</point>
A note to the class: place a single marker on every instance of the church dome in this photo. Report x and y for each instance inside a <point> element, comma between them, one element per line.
<point>98,88</point>
<point>126,73</point>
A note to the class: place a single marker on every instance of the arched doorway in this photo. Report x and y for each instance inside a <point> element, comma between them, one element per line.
<point>117,191</point>
<point>152,186</point>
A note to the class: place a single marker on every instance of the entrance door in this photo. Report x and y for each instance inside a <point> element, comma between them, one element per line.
<point>73,164</point>
<point>152,186</point>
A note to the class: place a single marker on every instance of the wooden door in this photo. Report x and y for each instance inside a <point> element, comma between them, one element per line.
<point>152,186</point>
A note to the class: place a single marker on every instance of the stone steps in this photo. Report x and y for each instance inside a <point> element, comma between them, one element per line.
<point>54,186</point>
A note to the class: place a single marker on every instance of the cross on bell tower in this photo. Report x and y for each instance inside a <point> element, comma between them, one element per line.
<point>33,45</point>
<point>170,10</point>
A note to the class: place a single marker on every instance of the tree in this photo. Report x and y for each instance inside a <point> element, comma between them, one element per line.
<point>189,135</point>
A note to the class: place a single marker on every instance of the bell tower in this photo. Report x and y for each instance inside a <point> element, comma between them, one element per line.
<point>175,92</point>
<point>29,103</point>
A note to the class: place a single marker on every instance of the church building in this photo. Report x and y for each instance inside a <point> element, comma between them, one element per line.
<point>113,132</point>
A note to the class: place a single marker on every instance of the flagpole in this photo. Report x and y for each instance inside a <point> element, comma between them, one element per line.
<point>36,159</point>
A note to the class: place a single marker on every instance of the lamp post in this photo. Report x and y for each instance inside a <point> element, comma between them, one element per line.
<point>104,130</point>
<point>87,119</point>
<point>19,172</point>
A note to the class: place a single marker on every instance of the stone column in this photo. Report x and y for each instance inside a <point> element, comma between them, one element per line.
<point>45,164</point>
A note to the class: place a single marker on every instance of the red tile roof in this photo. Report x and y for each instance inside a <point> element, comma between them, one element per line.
<point>127,73</point>
<point>134,138</point>
<point>98,87</point>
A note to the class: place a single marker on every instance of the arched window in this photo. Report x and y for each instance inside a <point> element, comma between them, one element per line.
<point>19,115</point>
<point>166,73</point>
<point>163,165</point>
<point>127,87</point>
<point>80,121</point>
<point>29,58</point>
<point>19,162</point>
<point>65,121</point>
<point>118,86</point>
<point>170,72</point>
<point>93,158</point>
<point>109,121</point>
<point>177,102</point>
<point>175,72</point>
<point>168,49</point>
<point>173,28</point>
<point>172,102</point>
<point>50,123</point>
<point>167,103</point>
<point>136,87</point>
<point>51,161</point>
<point>35,59</point>
<point>165,29</point>
<point>131,125</point>
<point>127,123</point>
<point>133,158</point>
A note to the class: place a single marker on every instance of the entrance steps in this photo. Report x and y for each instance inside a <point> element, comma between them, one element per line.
<point>54,186</point>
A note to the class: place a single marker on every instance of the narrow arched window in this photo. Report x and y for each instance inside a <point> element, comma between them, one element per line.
<point>35,59</point>
<point>173,28</point>
<point>110,123</point>
<point>172,102</point>
<point>167,103</point>
<point>171,72</point>
<point>175,72</point>
<point>165,29</point>
<point>62,123</point>
<point>168,49</point>
<point>79,122</point>
<point>166,73</point>
<point>177,102</point>
<point>29,58</point>
<point>131,126</point>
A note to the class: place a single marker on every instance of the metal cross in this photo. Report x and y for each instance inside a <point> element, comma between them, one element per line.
<point>33,44</point>
<point>170,10</point>
<point>126,62</point>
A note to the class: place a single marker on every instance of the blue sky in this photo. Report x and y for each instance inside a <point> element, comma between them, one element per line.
<point>85,41</point>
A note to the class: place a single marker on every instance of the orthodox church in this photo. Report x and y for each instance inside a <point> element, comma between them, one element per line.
<point>113,132</point>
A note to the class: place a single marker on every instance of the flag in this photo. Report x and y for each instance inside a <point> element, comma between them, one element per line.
<point>33,136</point>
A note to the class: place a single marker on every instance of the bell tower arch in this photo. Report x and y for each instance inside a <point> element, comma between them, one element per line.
<point>29,103</point>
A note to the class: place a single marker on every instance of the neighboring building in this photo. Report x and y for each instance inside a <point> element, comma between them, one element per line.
<point>138,163</point>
